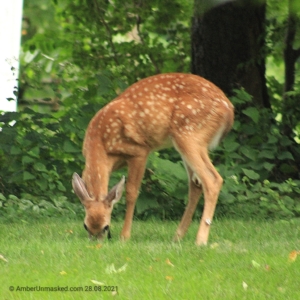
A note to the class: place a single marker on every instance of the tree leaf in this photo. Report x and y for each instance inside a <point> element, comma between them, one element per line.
<point>249,152</point>
<point>253,113</point>
<point>245,285</point>
<point>268,166</point>
<point>40,167</point>
<point>27,176</point>
<point>293,255</point>
<point>255,264</point>
<point>15,150</point>
<point>27,159</point>
<point>70,147</point>
<point>266,154</point>
<point>285,155</point>
<point>251,174</point>
<point>230,146</point>
<point>111,269</point>
<point>35,152</point>
<point>168,262</point>
<point>42,183</point>
<point>96,282</point>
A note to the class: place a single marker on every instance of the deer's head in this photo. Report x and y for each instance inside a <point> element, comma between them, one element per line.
<point>97,213</point>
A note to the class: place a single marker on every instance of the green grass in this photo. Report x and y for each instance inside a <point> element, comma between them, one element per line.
<point>244,260</point>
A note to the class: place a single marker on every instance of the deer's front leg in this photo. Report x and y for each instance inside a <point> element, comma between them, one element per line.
<point>136,169</point>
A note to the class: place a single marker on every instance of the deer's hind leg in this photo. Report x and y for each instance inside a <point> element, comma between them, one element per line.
<point>195,190</point>
<point>197,158</point>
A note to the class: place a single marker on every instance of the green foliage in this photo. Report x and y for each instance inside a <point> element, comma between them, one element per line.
<point>76,63</point>
<point>39,152</point>
<point>87,40</point>
<point>256,167</point>
<point>258,156</point>
<point>248,198</point>
<point>13,208</point>
<point>78,55</point>
<point>164,189</point>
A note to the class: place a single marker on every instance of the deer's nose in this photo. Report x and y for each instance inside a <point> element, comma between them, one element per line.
<point>106,228</point>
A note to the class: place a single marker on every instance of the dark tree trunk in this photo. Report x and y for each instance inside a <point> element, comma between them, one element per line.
<point>290,110</point>
<point>290,103</point>
<point>227,48</point>
<point>290,54</point>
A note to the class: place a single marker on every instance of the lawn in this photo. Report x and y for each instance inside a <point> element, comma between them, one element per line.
<point>244,260</point>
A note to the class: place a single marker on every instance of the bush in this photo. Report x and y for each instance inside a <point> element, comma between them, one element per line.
<point>39,153</point>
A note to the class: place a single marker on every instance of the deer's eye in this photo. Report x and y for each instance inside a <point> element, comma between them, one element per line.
<point>85,227</point>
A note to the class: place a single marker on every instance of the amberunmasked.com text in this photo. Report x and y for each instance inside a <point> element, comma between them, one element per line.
<point>86,288</point>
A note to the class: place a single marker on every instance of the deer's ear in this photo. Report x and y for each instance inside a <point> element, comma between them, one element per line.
<point>80,189</point>
<point>115,193</point>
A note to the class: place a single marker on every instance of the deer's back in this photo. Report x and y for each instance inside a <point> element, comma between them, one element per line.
<point>151,111</point>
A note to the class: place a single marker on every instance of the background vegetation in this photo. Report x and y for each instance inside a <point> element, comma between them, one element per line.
<point>78,55</point>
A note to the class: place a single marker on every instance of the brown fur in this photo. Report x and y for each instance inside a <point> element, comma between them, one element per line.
<point>182,110</point>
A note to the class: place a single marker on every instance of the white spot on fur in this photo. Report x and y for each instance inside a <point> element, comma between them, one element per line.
<point>225,103</point>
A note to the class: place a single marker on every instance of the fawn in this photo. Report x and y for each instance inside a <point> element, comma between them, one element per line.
<point>181,110</point>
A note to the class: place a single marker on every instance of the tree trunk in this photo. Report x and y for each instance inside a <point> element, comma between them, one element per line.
<point>290,103</point>
<point>290,111</point>
<point>227,48</point>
